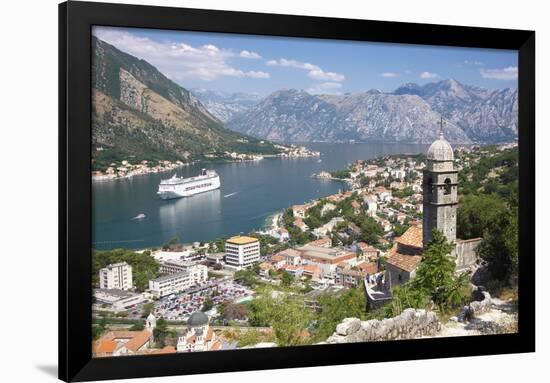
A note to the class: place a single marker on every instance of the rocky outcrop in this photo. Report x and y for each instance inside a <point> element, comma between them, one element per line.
<point>410,114</point>
<point>484,115</point>
<point>410,324</point>
<point>481,304</point>
<point>225,105</point>
<point>295,115</point>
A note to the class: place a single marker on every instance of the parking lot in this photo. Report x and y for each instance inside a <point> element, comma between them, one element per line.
<point>180,306</point>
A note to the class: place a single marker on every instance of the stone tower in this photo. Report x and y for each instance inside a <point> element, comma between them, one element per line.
<point>440,191</point>
<point>151,322</point>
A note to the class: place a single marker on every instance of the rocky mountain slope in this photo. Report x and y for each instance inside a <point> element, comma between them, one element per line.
<point>225,105</point>
<point>295,115</point>
<point>409,114</point>
<point>138,113</point>
<point>485,116</point>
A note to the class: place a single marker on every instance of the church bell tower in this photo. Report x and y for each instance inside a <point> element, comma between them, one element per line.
<point>440,191</point>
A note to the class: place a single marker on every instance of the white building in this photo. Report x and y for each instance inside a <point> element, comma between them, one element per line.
<point>185,254</point>
<point>398,173</point>
<point>199,336</point>
<point>327,227</point>
<point>327,207</point>
<point>242,251</point>
<point>116,300</point>
<point>371,205</point>
<point>200,272</point>
<point>116,276</point>
<point>178,282</point>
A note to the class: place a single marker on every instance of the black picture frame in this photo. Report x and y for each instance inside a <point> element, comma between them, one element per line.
<point>75,23</point>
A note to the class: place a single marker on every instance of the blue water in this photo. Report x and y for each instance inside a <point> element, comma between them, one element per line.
<point>250,192</point>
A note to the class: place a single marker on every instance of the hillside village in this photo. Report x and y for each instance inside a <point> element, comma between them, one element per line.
<point>354,254</point>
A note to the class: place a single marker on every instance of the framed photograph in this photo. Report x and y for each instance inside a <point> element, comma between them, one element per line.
<point>243,191</point>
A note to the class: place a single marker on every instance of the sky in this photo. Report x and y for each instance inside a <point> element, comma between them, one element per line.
<point>262,65</point>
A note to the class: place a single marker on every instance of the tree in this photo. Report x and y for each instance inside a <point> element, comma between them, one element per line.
<point>97,331</point>
<point>435,276</point>
<point>235,311</point>
<point>286,278</point>
<point>138,326</point>
<point>171,242</point>
<point>207,305</point>
<point>364,181</point>
<point>287,315</point>
<point>144,266</point>
<point>403,297</point>
<point>476,213</point>
<point>163,335</point>
<point>500,246</point>
<point>334,309</point>
<point>249,337</point>
<point>147,309</point>
<point>246,277</point>
<point>371,231</point>
<point>399,229</point>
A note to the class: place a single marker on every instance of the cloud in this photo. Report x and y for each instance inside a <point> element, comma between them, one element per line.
<point>249,55</point>
<point>428,75</point>
<point>326,88</point>
<point>176,60</point>
<point>389,74</point>
<point>509,73</point>
<point>257,74</point>
<point>319,74</point>
<point>473,62</point>
<point>314,71</point>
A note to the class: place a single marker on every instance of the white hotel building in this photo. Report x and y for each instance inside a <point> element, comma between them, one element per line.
<point>175,283</point>
<point>116,276</point>
<point>241,251</point>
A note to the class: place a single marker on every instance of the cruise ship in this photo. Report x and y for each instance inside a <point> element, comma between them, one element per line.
<point>178,187</point>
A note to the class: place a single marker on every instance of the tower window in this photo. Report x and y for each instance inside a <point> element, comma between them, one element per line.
<point>447,186</point>
<point>429,186</point>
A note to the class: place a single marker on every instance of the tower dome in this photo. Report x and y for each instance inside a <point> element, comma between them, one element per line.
<point>197,319</point>
<point>440,150</point>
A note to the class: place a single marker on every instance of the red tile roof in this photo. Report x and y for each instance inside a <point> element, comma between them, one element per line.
<point>209,335</point>
<point>104,346</point>
<point>320,242</point>
<point>138,341</point>
<point>402,261</point>
<point>216,346</point>
<point>368,267</point>
<point>412,237</point>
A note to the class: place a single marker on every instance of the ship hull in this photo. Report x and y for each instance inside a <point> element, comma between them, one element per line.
<point>189,189</point>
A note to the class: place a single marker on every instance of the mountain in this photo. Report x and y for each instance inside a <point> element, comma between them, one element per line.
<point>485,116</point>
<point>225,105</point>
<point>295,115</point>
<point>138,113</point>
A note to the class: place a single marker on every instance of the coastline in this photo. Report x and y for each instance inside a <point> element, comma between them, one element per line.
<point>96,178</point>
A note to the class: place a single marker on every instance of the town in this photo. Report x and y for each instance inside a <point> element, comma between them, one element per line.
<point>353,254</point>
<point>128,168</point>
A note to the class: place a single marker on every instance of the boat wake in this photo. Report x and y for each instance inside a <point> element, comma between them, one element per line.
<point>229,195</point>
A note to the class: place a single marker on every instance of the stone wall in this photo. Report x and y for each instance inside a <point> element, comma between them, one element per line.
<point>465,253</point>
<point>482,303</point>
<point>483,306</point>
<point>411,323</point>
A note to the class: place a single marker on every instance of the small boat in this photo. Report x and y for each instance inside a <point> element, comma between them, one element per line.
<point>139,216</point>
